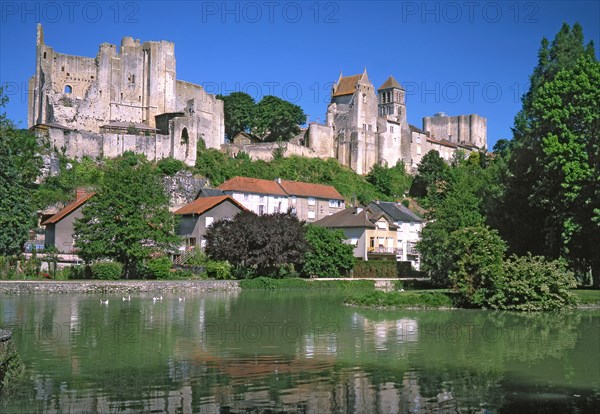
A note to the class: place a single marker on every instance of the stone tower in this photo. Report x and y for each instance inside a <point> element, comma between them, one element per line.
<point>352,114</point>
<point>392,124</point>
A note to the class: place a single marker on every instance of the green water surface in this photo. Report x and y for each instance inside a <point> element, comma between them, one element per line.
<point>295,351</point>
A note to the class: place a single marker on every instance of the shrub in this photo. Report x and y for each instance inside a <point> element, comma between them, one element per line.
<point>159,268</point>
<point>402,299</point>
<point>170,166</point>
<point>475,264</point>
<point>328,255</point>
<point>376,268</point>
<point>106,270</point>
<point>532,283</point>
<point>216,269</point>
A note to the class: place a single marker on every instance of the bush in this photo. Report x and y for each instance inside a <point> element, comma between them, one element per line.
<point>402,299</point>
<point>376,268</point>
<point>341,285</point>
<point>328,255</point>
<point>106,270</point>
<point>159,268</point>
<point>475,255</point>
<point>216,269</point>
<point>170,166</point>
<point>531,283</point>
<point>78,272</point>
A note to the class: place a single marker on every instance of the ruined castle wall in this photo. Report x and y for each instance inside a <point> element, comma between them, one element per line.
<point>264,151</point>
<point>320,139</point>
<point>461,129</point>
<point>206,108</point>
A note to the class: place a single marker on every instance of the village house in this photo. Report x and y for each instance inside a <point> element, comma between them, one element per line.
<point>198,215</point>
<point>59,227</point>
<point>373,234</point>
<point>309,202</point>
<point>409,230</point>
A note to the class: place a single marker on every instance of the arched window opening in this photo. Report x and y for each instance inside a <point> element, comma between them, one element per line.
<point>185,138</point>
<point>68,89</point>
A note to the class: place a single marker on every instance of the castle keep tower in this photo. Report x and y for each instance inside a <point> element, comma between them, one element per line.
<point>126,98</point>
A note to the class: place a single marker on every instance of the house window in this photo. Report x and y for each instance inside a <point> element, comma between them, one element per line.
<point>364,126</point>
<point>391,128</point>
<point>364,99</point>
<point>294,210</point>
<point>261,210</point>
<point>132,79</point>
<point>418,150</point>
<point>311,201</point>
<point>381,225</point>
<point>370,127</point>
<point>354,241</point>
<point>311,214</point>
<point>68,89</point>
<point>261,199</point>
<point>246,197</point>
<point>418,139</point>
<point>334,203</point>
<point>293,199</point>
<point>209,221</point>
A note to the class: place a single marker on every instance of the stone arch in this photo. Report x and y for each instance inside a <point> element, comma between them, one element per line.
<point>185,137</point>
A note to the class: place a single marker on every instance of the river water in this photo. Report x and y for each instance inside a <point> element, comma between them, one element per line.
<point>296,352</point>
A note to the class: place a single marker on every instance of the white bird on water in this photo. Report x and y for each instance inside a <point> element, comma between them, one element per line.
<point>104,302</point>
<point>128,298</point>
<point>182,299</point>
<point>155,298</point>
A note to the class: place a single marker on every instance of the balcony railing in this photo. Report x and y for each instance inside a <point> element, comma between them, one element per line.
<point>384,250</point>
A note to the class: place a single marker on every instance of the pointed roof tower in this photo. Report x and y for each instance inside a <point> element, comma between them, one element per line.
<point>391,82</point>
<point>347,85</point>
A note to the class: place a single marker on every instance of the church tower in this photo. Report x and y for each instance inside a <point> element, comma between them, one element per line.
<point>391,102</point>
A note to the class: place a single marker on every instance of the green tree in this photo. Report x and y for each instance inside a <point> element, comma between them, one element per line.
<point>432,173</point>
<point>327,255</point>
<point>475,264</point>
<point>19,167</point>
<point>128,218</point>
<point>394,182</point>
<point>264,244</point>
<point>276,119</point>
<point>551,186</point>
<point>238,108</point>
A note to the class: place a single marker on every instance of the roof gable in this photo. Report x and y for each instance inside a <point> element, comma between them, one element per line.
<point>396,211</point>
<point>204,204</point>
<point>69,208</point>
<point>346,85</point>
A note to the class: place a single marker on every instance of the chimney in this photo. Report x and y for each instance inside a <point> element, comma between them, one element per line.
<point>278,180</point>
<point>80,193</point>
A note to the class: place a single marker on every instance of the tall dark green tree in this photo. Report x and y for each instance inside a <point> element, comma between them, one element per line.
<point>128,218</point>
<point>327,254</point>
<point>548,204</point>
<point>277,120</point>
<point>238,108</point>
<point>19,167</point>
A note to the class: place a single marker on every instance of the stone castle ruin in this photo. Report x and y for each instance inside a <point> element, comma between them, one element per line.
<point>124,99</point>
<point>365,126</point>
<point>129,99</point>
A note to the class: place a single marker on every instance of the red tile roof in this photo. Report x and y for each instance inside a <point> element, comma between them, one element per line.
<point>68,209</point>
<point>297,188</point>
<point>203,204</point>
<point>347,85</point>
<point>252,185</point>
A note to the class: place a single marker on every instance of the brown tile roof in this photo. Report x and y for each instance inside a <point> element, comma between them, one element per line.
<point>252,185</point>
<point>417,129</point>
<point>346,85</point>
<point>203,204</point>
<point>349,218</point>
<point>69,208</point>
<point>297,188</point>
<point>391,82</point>
<point>444,143</point>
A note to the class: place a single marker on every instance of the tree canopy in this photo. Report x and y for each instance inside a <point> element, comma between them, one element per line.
<point>327,255</point>
<point>239,110</point>
<point>19,168</point>
<point>128,218</point>
<point>258,245</point>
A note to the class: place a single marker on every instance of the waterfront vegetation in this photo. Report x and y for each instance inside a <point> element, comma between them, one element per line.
<point>517,229</point>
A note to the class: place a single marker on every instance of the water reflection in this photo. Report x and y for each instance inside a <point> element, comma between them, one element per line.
<point>295,352</point>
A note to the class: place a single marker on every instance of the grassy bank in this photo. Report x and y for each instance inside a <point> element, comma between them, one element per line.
<point>425,299</point>
<point>296,283</point>
<point>587,297</point>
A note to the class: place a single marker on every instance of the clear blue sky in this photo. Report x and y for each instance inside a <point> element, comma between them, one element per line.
<point>457,57</point>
